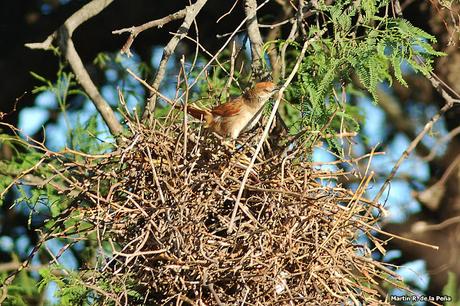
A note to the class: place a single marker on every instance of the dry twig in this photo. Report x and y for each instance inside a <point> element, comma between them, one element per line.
<point>191,13</point>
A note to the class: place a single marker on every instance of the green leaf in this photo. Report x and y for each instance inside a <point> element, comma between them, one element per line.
<point>38,77</point>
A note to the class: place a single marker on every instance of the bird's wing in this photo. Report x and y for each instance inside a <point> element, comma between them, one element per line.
<point>228,109</point>
<point>196,112</point>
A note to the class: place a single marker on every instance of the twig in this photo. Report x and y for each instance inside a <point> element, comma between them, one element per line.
<point>396,114</point>
<point>268,125</point>
<point>274,33</point>
<point>437,227</point>
<point>444,139</point>
<point>274,25</point>
<point>291,37</point>
<point>187,91</point>
<point>199,45</point>
<point>380,266</point>
<point>14,265</point>
<point>156,91</point>
<point>215,295</point>
<point>204,69</point>
<point>21,175</point>
<point>431,246</point>
<point>227,13</point>
<point>157,182</point>
<point>450,102</point>
<point>448,171</point>
<point>192,12</point>
<point>300,18</point>
<point>63,35</point>
<point>134,31</point>
<point>232,69</point>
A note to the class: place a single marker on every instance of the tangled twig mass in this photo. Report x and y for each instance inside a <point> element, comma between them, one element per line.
<point>161,217</point>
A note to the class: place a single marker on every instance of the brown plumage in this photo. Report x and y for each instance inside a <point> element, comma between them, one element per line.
<point>237,115</point>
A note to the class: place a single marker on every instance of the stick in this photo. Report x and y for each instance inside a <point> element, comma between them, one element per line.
<point>134,31</point>
<point>192,12</point>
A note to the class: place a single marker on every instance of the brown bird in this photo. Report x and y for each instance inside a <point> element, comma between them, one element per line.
<point>237,115</point>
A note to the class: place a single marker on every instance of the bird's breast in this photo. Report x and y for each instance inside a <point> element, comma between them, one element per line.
<point>234,125</point>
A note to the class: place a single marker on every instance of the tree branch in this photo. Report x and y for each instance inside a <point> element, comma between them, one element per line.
<point>450,102</point>
<point>250,8</point>
<point>63,35</point>
<point>191,13</point>
<point>134,31</point>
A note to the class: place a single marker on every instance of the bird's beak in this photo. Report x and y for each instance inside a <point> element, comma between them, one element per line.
<point>276,89</point>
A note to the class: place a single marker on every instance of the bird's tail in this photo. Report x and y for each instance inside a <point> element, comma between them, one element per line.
<point>201,114</point>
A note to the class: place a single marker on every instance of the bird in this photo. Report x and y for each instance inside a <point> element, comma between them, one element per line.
<point>237,115</point>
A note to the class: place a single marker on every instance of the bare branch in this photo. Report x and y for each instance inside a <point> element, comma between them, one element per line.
<point>78,18</point>
<point>250,8</point>
<point>292,35</point>
<point>191,13</point>
<point>398,117</point>
<point>134,31</point>
<point>85,80</point>
<point>450,102</point>
<point>300,18</point>
<point>63,35</point>
<point>439,142</point>
<point>227,13</point>
<point>433,195</point>
<point>431,246</point>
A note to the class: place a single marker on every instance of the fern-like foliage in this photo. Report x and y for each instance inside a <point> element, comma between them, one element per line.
<point>364,42</point>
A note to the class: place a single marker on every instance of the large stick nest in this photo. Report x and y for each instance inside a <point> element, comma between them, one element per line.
<point>161,207</point>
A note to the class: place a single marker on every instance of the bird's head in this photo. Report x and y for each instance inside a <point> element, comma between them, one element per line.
<point>264,91</point>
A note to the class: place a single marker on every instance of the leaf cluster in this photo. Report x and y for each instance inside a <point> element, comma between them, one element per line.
<point>364,44</point>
